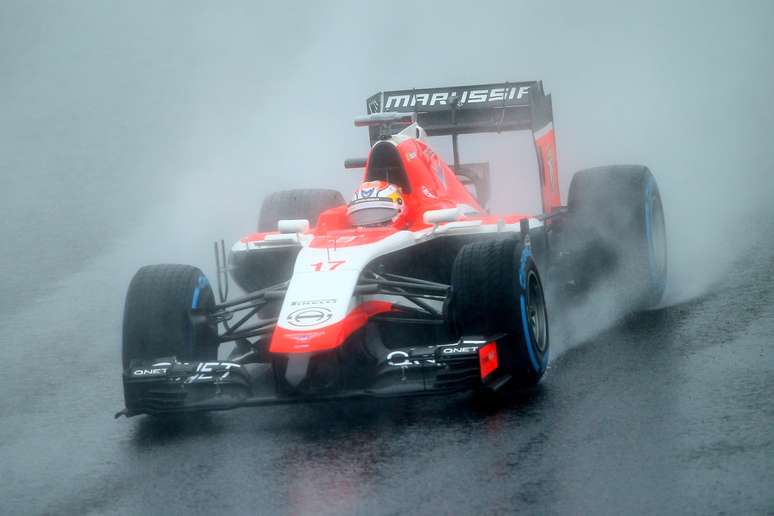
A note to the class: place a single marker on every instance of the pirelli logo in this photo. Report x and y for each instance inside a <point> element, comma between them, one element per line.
<point>423,99</point>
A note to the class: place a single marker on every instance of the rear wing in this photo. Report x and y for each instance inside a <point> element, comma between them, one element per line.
<point>486,108</point>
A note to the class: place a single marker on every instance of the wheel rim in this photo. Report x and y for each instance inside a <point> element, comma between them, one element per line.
<point>658,240</point>
<point>655,232</point>
<point>536,312</point>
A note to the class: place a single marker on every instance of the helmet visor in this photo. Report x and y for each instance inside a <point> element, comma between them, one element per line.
<point>369,212</point>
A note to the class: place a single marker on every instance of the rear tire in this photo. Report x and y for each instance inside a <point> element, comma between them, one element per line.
<point>496,289</point>
<point>617,232</point>
<point>165,315</point>
<point>256,269</point>
<point>306,203</point>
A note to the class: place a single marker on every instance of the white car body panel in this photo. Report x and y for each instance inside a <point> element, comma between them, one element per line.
<point>325,277</point>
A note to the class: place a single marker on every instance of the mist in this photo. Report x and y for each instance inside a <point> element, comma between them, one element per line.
<point>139,132</point>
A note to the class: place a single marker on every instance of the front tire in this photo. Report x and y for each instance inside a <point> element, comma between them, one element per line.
<point>165,315</point>
<point>496,289</point>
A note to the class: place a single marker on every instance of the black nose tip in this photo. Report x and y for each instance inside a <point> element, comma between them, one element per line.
<point>297,368</point>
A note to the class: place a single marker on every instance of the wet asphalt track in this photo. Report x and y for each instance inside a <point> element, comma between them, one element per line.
<point>668,413</point>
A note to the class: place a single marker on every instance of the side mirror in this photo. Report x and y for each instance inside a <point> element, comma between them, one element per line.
<point>439,216</point>
<point>355,162</point>
<point>293,226</point>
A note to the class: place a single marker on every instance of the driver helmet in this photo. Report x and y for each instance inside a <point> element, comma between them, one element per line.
<point>376,203</point>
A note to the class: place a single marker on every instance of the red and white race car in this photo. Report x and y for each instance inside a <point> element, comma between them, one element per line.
<point>411,288</point>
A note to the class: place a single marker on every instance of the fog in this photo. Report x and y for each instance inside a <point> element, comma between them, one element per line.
<point>139,132</point>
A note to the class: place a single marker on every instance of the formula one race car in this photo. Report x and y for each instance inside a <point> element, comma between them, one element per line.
<point>412,288</point>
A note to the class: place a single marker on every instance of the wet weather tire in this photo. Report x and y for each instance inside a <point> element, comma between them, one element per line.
<point>306,203</point>
<point>165,315</point>
<point>496,289</point>
<point>618,232</point>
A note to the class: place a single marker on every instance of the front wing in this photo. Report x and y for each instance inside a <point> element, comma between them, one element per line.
<point>167,386</point>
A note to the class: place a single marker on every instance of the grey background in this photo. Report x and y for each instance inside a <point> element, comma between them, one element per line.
<point>138,132</point>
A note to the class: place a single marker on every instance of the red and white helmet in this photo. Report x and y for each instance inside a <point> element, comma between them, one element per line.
<point>376,203</point>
